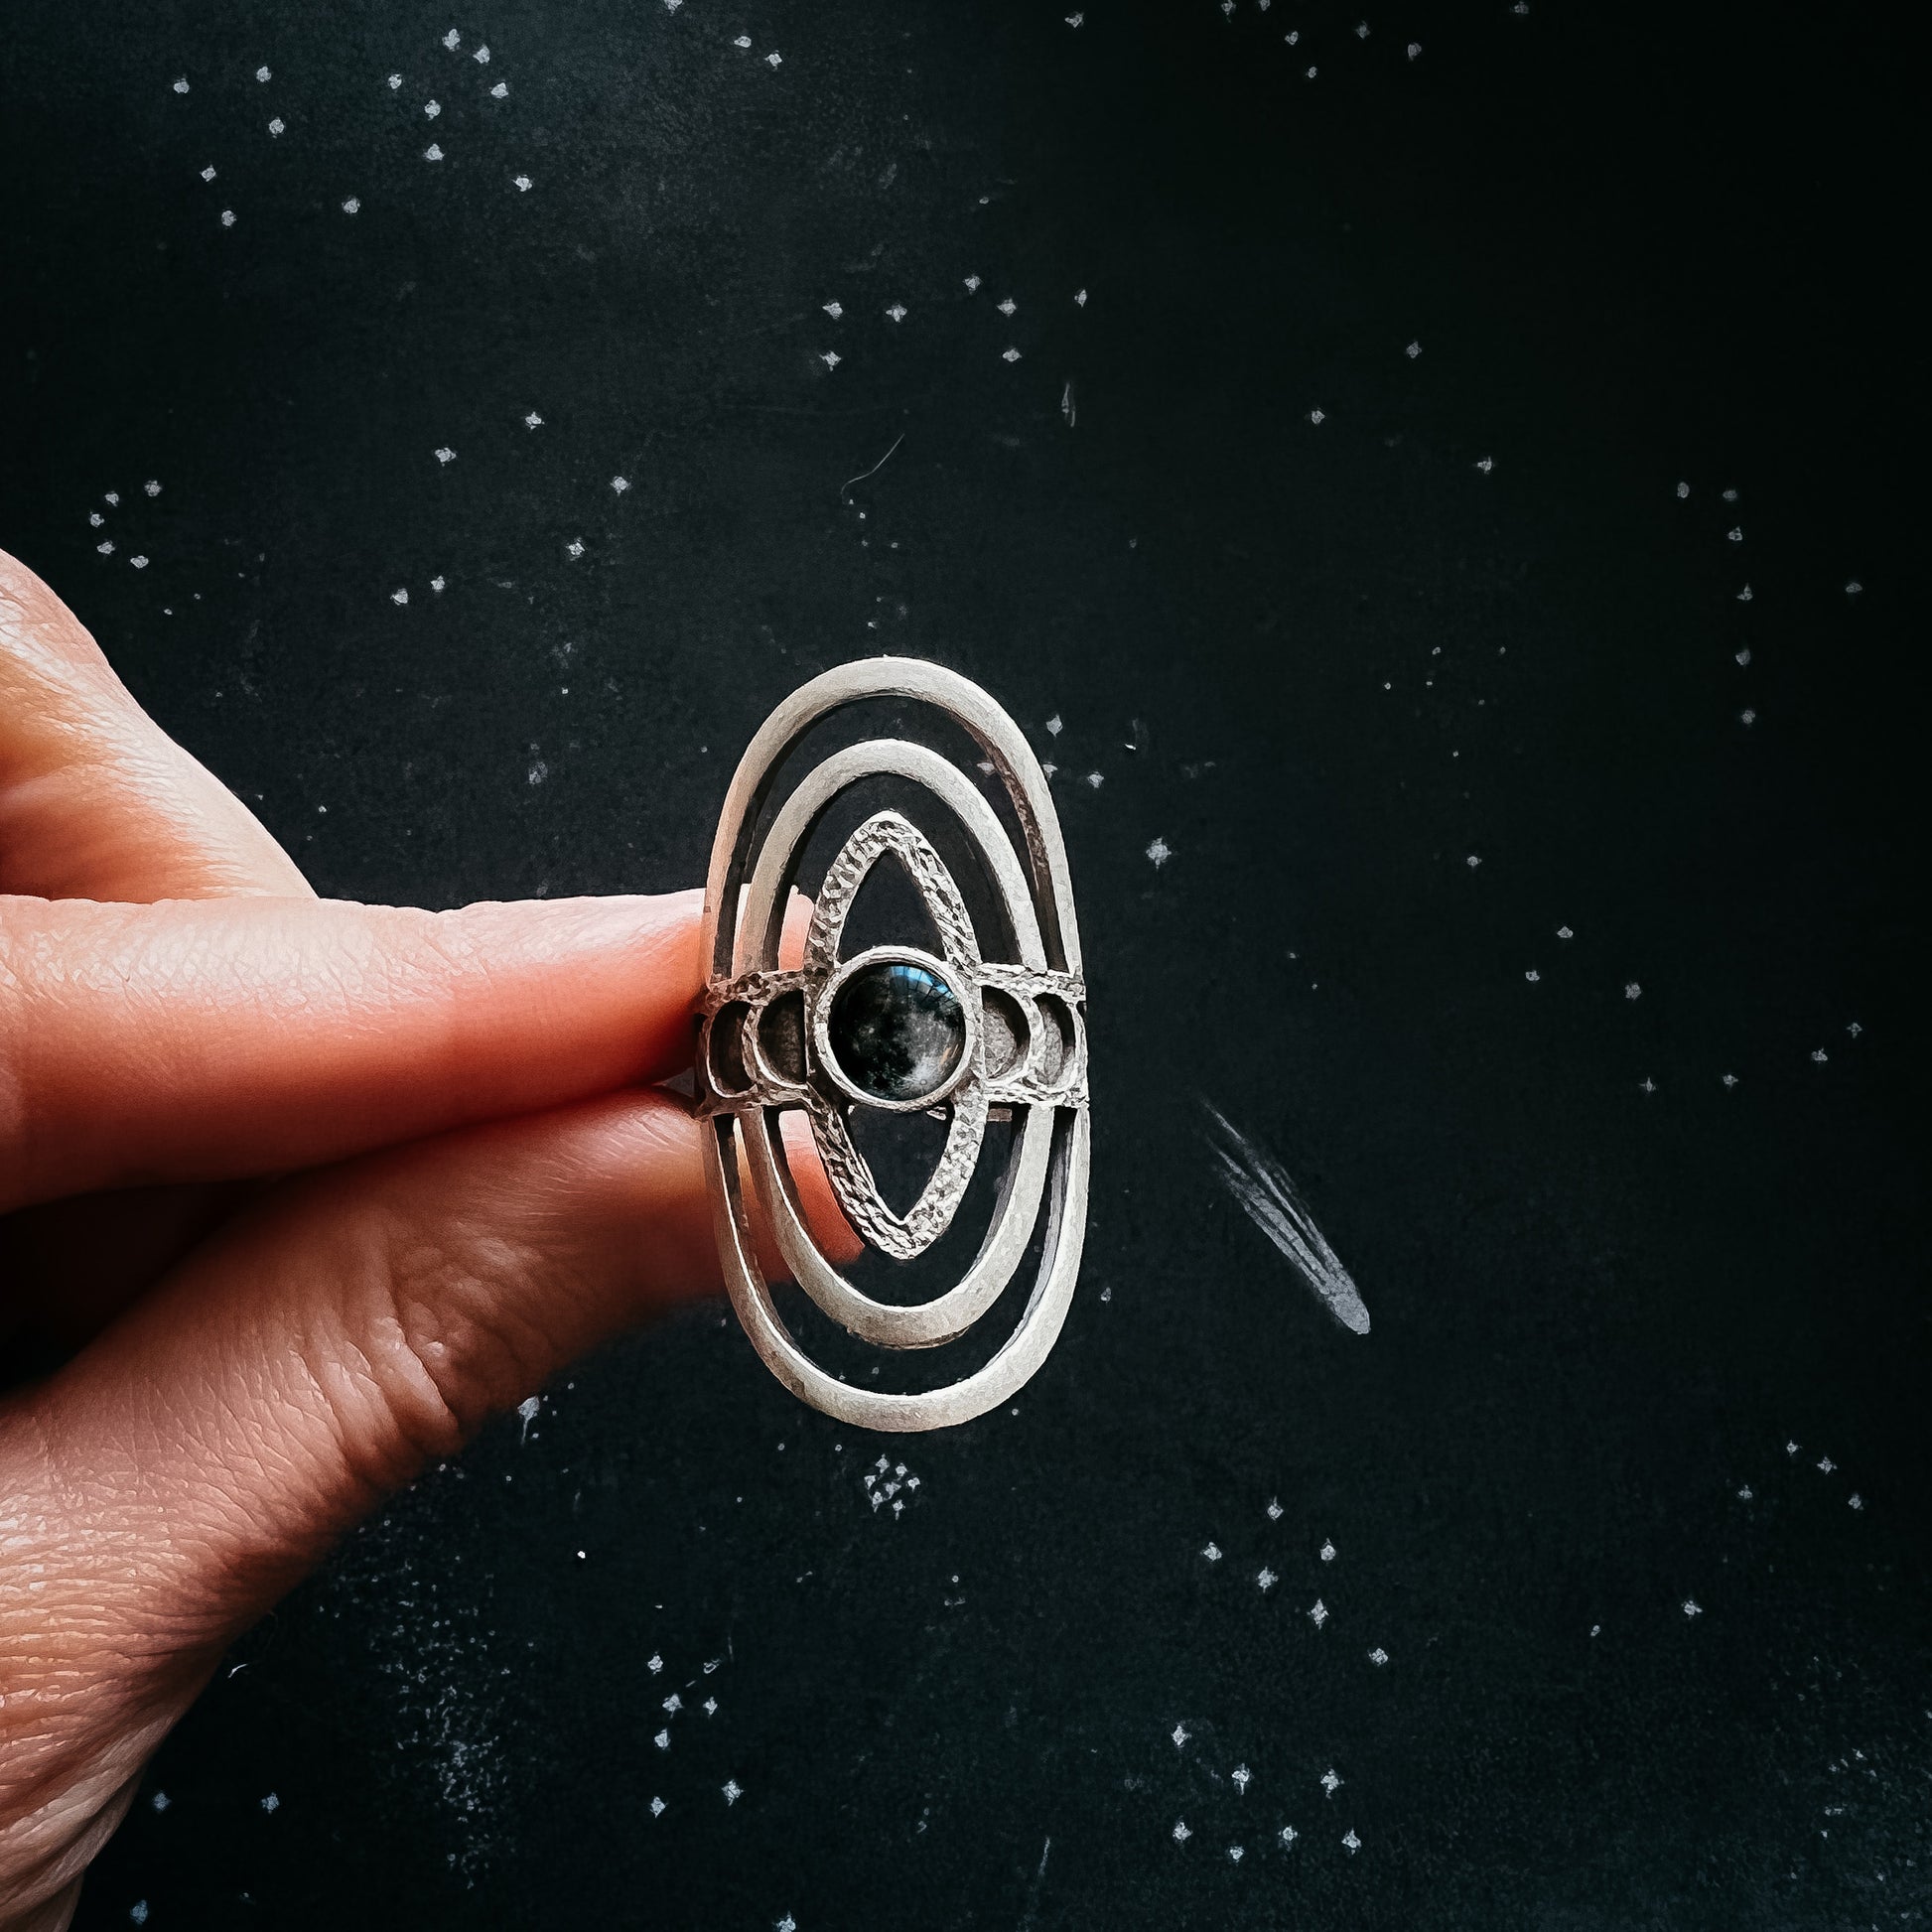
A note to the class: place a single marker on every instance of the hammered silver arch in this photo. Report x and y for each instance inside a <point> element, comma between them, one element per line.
<point>764,1045</point>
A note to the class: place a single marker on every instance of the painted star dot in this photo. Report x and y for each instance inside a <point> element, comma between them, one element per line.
<point>521,183</point>
<point>658,1807</point>
<point>655,1664</point>
<point>1352,1842</point>
<point>1413,350</point>
<point>1378,1655</point>
<point>533,421</point>
<point>831,358</point>
<point>1485,464</point>
<point>501,92</point>
<point>1007,307</point>
<point>620,485</point>
<point>277,125</point>
<point>1266,1578</point>
<point>972,284</point>
<point>663,1741</point>
<point>207,174</point>
<point>227,217</point>
<point>1159,852</point>
<point>1330,1782</point>
<point>773,60</point>
<point>1692,1607</point>
<point>181,86</point>
<point>1632,991</point>
<point>432,152</point>
<point>139,563</point>
<point>1180,1735</point>
<point>432,109</point>
<point>833,309</point>
<point>1181,1832</point>
<point>1234,1853</point>
<point>351,205</point>
<point>742,41</point>
<point>1212,1552</point>
<point>896,311</point>
<point>1009,355</point>
<point>1289,1835</point>
<point>396,82</point>
<point>1327,1552</point>
<point>733,1790</point>
<point>446,456</point>
<point>1241,1776</point>
<point>1274,1509</point>
<point>1318,1614</point>
<point>399,596</point>
<point>1317,416</point>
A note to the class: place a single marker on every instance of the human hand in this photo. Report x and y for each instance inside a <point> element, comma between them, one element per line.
<point>312,1187</point>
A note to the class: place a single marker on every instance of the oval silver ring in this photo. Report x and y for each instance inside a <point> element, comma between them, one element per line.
<point>767,1043</point>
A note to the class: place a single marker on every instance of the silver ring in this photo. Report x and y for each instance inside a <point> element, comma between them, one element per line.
<point>977,1026</point>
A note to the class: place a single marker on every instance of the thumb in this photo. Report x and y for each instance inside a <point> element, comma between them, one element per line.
<point>164,1488</point>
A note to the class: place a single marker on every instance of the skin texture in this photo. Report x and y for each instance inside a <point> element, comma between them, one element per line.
<point>310,1188</point>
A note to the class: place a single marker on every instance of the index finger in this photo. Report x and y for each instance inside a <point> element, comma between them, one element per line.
<point>214,1038</point>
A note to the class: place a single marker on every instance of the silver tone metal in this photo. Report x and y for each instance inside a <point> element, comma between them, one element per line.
<point>764,1045</point>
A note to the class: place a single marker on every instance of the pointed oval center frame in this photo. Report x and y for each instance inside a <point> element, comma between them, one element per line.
<point>764,1044</point>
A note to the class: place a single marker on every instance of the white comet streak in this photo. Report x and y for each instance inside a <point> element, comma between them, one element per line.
<point>1273,1204</point>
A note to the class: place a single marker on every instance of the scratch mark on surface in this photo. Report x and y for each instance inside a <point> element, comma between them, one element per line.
<point>873,471</point>
<point>1271,1201</point>
<point>1032,1890</point>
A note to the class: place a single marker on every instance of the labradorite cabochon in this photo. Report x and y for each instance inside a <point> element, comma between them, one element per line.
<point>897,1031</point>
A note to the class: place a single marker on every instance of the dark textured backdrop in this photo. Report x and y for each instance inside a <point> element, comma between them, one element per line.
<point>1629,1480</point>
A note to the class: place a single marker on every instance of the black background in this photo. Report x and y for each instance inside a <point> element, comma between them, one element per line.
<point>1609,1292</point>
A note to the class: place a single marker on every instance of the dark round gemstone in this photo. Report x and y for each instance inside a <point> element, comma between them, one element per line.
<point>897,1030</point>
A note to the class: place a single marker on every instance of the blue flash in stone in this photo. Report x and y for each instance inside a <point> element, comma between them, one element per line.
<point>897,1030</point>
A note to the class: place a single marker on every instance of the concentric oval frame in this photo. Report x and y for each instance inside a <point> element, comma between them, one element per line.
<point>743,1085</point>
